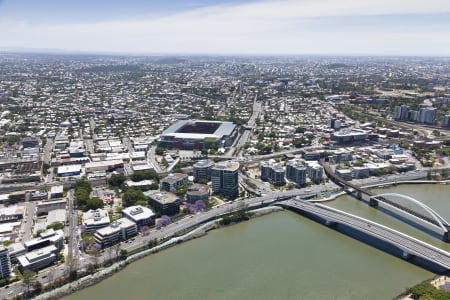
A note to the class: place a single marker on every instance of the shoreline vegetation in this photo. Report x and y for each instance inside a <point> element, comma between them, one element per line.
<point>87,279</point>
<point>97,277</point>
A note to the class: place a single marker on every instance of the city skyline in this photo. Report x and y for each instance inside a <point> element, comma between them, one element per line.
<point>283,27</point>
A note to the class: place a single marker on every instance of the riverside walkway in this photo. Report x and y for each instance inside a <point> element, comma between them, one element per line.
<point>410,246</point>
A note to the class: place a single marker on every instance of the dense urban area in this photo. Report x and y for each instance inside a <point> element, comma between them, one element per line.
<point>102,157</point>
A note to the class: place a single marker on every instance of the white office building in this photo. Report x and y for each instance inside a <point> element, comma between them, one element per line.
<point>119,230</point>
<point>140,215</point>
<point>38,259</point>
<point>95,219</point>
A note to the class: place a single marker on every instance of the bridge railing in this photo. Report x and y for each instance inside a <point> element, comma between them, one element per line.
<point>327,208</point>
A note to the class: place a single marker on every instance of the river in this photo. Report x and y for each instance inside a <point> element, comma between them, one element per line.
<point>279,256</point>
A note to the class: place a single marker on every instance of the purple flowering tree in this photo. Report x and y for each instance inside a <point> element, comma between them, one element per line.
<point>96,246</point>
<point>200,205</point>
<point>163,221</point>
<point>143,228</point>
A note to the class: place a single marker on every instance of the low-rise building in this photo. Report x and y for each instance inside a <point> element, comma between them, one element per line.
<point>104,165</point>
<point>45,207</point>
<point>345,174</point>
<point>16,250</point>
<point>56,216</point>
<point>119,230</point>
<point>56,191</point>
<point>18,196</point>
<point>11,213</point>
<point>349,136</point>
<point>197,192</point>
<point>94,220</point>
<point>360,172</point>
<point>165,203</point>
<point>4,198</point>
<point>140,215</point>
<point>70,170</point>
<point>46,238</point>
<point>342,155</point>
<point>173,181</point>
<point>38,259</point>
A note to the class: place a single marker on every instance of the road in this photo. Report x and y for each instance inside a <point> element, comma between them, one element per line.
<point>257,106</point>
<point>190,221</point>
<point>408,244</point>
<point>151,158</point>
<point>28,223</point>
<point>48,151</point>
<point>73,250</point>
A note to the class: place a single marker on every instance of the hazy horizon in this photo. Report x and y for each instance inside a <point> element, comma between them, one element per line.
<point>207,27</point>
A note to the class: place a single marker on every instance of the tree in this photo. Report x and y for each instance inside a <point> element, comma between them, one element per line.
<point>56,226</point>
<point>28,277</point>
<point>37,286</point>
<point>132,196</point>
<point>94,203</point>
<point>163,221</point>
<point>181,191</point>
<point>144,175</point>
<point>123,254</point>
<point>160,150</point>
<point>152,243</point>
<point>117,180</point>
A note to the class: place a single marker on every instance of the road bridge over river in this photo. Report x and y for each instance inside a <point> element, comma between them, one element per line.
<point>408,247</point>
<point>426,214</point>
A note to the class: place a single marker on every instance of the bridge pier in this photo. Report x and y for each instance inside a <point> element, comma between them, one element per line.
<point>446,237</point>
<point>359,195</point>
<point>329,223</point>
<point>373,202</point>
<point>406,255</point>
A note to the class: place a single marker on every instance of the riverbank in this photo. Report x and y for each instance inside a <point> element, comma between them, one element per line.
<point>107,272</point>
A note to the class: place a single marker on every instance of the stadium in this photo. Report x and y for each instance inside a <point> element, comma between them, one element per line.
<point>198,134</point>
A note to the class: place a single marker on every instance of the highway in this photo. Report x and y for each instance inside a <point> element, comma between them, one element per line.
<point>73,251</point>
<point>250,124</point>
<point>27,234</point>
<point>405,242</point>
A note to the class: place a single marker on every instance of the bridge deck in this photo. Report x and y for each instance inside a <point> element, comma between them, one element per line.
<point>342,182</point>
<point>401,240</point>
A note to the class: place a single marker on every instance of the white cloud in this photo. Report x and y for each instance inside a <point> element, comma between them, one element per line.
<point>261,27</point>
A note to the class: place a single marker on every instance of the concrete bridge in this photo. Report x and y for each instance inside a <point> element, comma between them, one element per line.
<point>425,214</point>
<point>400,244</point>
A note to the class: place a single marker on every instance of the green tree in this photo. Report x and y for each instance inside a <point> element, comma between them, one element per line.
<point>28,277</point>
<point>117,180</point>
<point>181,191</point>
<point>123,254</point>
<point>131,196</point>
<point>94,203</point>
<point>55,226</point>
<point>159,150</point>
<point>37,286</point>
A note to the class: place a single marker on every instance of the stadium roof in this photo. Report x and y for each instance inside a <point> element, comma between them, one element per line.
<point>224,129</point>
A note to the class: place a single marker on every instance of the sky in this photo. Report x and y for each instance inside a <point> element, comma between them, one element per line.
<point>221,27</point>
